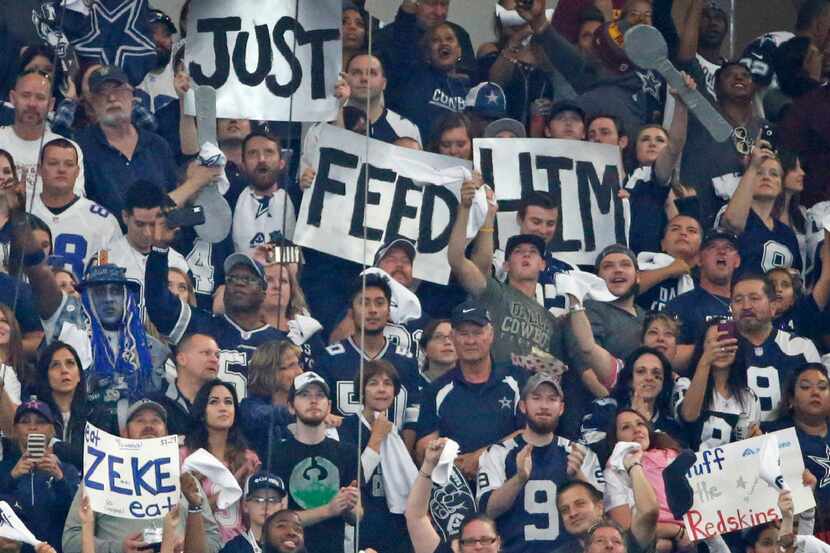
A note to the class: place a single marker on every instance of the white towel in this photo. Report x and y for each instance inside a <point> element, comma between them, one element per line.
<point>398,470</point>
<point>620,451</point>
<point>211,156</point>
<point>302,328</point>
<point>511,18</point>
<point>810,544</point>
<point>441,472</point>
<point>78,339</point>
<point>651,261</point>
<point>455,177</point>
<point>12,528</point>
<point>582,285</point>
<point>213,469</point>
<point>770,463</point>
<point>405,304</point>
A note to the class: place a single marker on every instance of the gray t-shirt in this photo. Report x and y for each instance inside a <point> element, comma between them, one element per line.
<point>615,329</point>
<point>519,322</point>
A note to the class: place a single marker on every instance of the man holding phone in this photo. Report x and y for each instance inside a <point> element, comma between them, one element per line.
<point>32,477</point>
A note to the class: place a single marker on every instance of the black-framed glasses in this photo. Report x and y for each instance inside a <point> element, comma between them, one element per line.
<point>486,540</point>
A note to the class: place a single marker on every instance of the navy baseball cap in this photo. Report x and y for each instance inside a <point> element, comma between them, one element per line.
<point>470,311</point>
<point>264,480</point>
<point>239,258</point>
<point>105,74</point>
<point>718,234</point>
<point>563,106</point>
<point>487,100</point>
<point>518,239</point>
<point>34,406</point>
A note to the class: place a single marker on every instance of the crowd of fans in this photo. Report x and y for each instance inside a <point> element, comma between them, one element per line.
<point>309,378</point>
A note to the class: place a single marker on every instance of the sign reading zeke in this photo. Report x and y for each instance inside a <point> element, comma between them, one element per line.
<point>266,60</point>
<point>400,195</point>
<point>584,178</point>
<point>729,494</point>
<point>130,478</point>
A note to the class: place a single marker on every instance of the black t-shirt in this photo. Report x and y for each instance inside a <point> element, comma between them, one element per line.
<point>314,474</point>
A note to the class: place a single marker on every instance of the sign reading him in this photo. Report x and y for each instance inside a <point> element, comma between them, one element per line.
<point>130,478</point>
<point>266,60</point>
<point>583,177</point>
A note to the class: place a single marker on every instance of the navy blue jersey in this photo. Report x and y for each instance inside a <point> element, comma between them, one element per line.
<point>533,523</point>
<point>547,278</point>
<point>390,127</point>
<point>815,449</point>
<point>340,364</point>
<point>763,249</point>
<point>239,544</point>
<point>659,296</point>
<point>406,337</point>
<point>601,415</point>
<point>474,415</point>
<point>803,319</point>
<point>379,529</point>
<point>695,309</point>
<point>206,262</point>
<point>770,364</point>
<point>648,211</point>
<point>175,319</point>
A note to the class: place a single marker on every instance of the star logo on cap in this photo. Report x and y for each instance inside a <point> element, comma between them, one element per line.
<point>505,403</point>
<point>492,98</point>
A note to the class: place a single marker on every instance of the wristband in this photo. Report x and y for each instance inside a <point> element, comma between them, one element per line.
<point>33,259</point>
<point>425,475</point>
<point>637,464</point>
<point>194,508</point>
<point>486,229</point>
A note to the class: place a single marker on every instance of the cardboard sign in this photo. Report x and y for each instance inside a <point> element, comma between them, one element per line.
<point>130,478</point>
<point>582,176</point>
<point>267,59</point>
<point>730,494</point>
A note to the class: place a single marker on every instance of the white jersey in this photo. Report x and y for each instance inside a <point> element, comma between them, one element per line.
<point>121,253</point>
<point>26,154</point>
<point>724,421</point>
<point>256,217</point>
<point>78,232</point>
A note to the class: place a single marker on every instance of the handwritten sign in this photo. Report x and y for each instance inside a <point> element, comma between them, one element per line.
<point>729,493</point>
<point>125,478</point>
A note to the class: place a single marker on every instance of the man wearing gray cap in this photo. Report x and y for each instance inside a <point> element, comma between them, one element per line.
<point>518,477</point>
<point>143,420</point>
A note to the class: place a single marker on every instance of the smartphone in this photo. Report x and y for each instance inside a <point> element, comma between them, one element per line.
<point>728,326</point>
<point>186,217</point>
<point>36,445</point>
<point>768,135</point>
<point>152,539</point>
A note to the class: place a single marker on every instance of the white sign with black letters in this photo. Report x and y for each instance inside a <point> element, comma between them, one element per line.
<point>582,176</point>
<point>266,60</point>
<point>394,195</point>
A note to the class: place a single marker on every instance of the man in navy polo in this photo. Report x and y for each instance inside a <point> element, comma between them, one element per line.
<point>476,403</point>
<point>116,153</point>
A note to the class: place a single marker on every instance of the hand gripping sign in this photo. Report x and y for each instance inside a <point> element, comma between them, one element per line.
<point>130,478</point>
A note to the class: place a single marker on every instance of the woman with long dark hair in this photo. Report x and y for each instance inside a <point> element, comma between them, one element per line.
<point>218,431</point>
<point>645,384</point>
<point>716,404</point>
<point>60,383</point>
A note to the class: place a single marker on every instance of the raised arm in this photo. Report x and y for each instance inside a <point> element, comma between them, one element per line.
<point>422,534</point>
<point>45,291</point>
<point>198,176</point>
<point>483,247</point>
<point>713,348</point>
<point>668,158</point>
<point>471,278</point>
<point>647,509</point>
<point>592,354</point>
<point>821,289</point>
<point>501,499</point>
<point>690,33</point>
<point>739,206</point>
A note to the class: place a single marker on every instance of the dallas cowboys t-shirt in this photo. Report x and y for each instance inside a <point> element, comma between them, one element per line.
<point>314,474</point>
